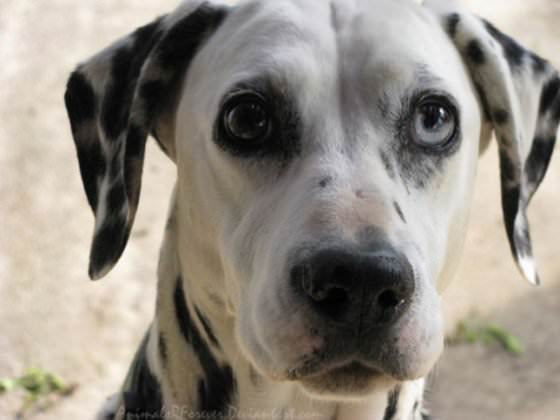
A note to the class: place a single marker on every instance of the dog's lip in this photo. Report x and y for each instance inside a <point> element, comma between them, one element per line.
<point>354,368</point>
<point>349,367</point>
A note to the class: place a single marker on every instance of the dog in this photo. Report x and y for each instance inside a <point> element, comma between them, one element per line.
<point>325,152</point>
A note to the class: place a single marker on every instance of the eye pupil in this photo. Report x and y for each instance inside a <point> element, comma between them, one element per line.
<point>434,116</point>
<point>434,123</point>
<point>247,121</point>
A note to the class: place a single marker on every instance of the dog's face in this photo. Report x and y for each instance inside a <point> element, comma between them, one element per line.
<point>338,162</point>
<point>326,153</point>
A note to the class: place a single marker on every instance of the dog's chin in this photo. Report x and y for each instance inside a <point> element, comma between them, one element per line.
<point>353,381</point>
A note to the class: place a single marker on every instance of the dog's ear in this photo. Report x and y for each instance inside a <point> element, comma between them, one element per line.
<point>114,101</point>
<point>519,93</point>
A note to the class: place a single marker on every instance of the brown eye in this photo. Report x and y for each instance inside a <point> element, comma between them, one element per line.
<point>246,120</point>
<point>434,123</point>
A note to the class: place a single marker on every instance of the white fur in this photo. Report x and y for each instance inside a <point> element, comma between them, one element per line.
<point>234,225</point>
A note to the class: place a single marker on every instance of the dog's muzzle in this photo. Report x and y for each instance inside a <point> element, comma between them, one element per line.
<point>354,299</point>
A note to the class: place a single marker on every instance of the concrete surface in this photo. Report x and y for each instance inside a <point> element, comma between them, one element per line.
<point>51,316</point>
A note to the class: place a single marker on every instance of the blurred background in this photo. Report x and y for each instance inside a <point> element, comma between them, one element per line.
<point>52,318</point>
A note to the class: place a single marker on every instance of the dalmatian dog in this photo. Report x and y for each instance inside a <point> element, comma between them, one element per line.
<point>325,154</point>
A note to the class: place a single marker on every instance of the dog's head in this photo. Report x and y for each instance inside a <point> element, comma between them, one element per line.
<point>326,153</point>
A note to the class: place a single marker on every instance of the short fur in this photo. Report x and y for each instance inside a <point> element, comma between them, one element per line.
<point>231,338</point>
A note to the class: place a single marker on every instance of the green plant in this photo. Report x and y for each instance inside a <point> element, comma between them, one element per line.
<point>473,332</point>
<point>38,387</point>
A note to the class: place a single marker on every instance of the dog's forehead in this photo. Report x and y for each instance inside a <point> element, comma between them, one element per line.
<point>341,65</point>
<point>312,45</point>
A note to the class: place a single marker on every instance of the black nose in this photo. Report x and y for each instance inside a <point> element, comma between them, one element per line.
<point>357,289</point>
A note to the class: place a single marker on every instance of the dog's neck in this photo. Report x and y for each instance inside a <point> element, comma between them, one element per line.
<point>193,352</point>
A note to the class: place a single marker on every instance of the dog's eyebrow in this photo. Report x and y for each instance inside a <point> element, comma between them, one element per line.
<point>423,75</point>
<point>263,85</point>
<point>422,80</point>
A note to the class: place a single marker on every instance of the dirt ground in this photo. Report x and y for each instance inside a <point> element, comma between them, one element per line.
<point>52,317</point>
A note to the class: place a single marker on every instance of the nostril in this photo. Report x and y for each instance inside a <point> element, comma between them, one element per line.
<point>389,299</point>
<point>326,287</point>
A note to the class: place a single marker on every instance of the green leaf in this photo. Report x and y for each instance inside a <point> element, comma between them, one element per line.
<point>487,334</point>
<point>510,342</point>
<point>56,383</point>
<point>7,385</point>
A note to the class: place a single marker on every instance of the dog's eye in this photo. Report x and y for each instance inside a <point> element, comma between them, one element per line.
<point>434,123</point>
<point>246,120</point>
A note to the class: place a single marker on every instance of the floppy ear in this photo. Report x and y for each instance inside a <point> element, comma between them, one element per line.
<point>114,101</point>
<point>520,96</point>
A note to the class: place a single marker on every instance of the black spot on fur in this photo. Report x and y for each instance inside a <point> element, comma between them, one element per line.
<point>514,52</point>
<point>135,142</point>
<point>501,116</point>
<point>183,40</point>
<point>207,328</point>
<point>556,113</point>
<point>510,195</point>
<point>387,164</point>
<point>426,416</point>
<point>112,112</point>
<point>81,105</point>
<point>92,167</point>
<point>118,96</point>
<point>175,51</point>
<point>334,18</point>
<point>152,92</point>
<point>108,243</point>
<point>539,160</point>
<point>216,389</point>
<point>452,24</point>
<point>483,101</point>
<point>475,53</point>
<point>134,160</point>
<point>392,403</point>
<point>539,64</point>
<point>510,206</point>
<point>550,94</point>
<point>325,182</point>
<point>80,100</point>
<point>399,211</point>
<point>509,170</point>
<point>215,392</point>
<point>142,396</point>
<point>162,147</point>
<point>126,66</point>
<point>115,200</point>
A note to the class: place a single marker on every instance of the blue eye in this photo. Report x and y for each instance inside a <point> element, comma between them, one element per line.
<point>434,123</point>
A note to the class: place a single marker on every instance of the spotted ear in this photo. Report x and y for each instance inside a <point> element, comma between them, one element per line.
<point>114,101</point>
<point>520,96</point>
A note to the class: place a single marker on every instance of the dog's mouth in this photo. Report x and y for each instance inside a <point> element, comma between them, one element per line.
<point>351,378</point>
<point>353,369</point>
<point>317,368</point>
